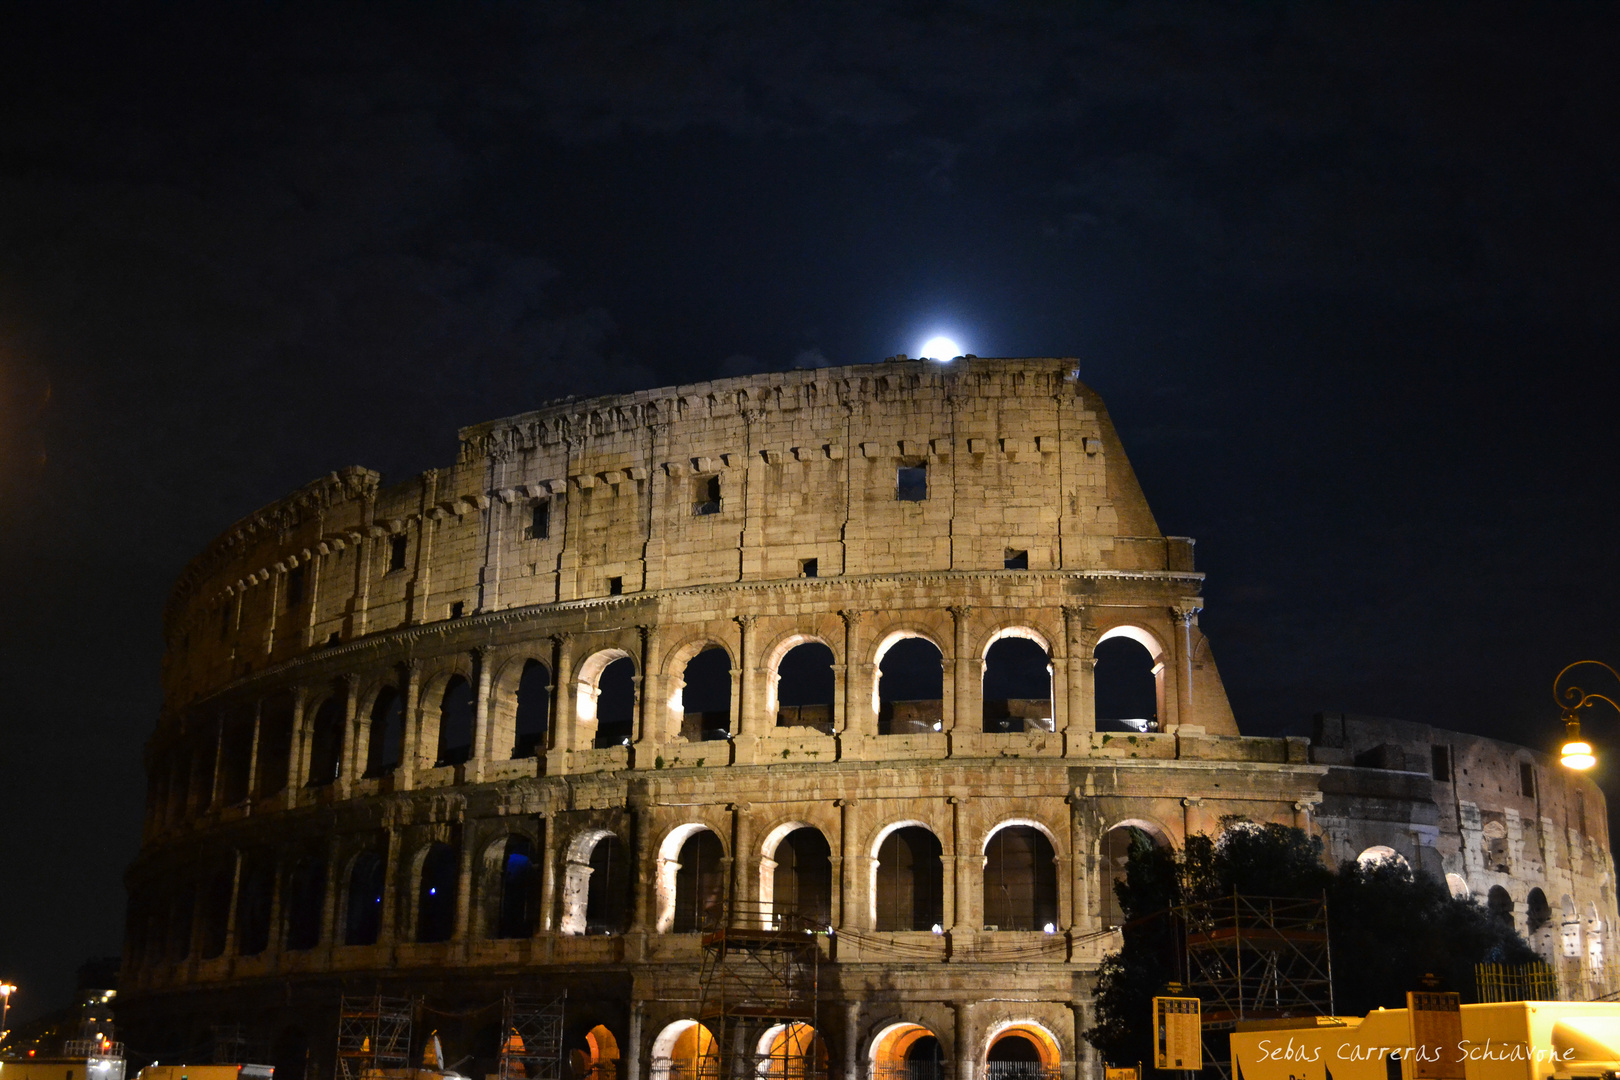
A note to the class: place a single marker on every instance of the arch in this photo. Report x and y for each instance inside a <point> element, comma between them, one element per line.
<point>1457,885</point>
<point>1380,855</point>
<point>386,740</point>
<point>893,1047</point>
<point>437,876</point>
<point>795,874</point>
<point>1017,683</point>
<point>802,689</point>
<point>458,709</point>
<point>596,886</point>
<point>1128,680</point>
<point>363,902</point>
<point>1537,912</point>
<point>703,695</point>
<point>306,893</point>
<point>792,1051</point>
<point>606,696</point>
<point>1018,1049</point>
<point>685,1050</point>
<point>235,756</point>
<point>253,906</point>
<point>1500,905</point>
<point>599,1060</point>
<point>531,722</point>
<point>326,740</point>
<point>908,694</point>
<point>216,911</point>
<point>669,865</point>
<point>1116,852</point>
<point>512,887</point>
<point>1020,879</point>
<point>275,745</point>
<point>908,882</point>
<point>700,884</point>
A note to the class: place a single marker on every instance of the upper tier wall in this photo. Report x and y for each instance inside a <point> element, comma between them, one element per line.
<point>615,494</point>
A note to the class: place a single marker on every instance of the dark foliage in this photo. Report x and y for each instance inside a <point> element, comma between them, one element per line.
<point>1389,927</point>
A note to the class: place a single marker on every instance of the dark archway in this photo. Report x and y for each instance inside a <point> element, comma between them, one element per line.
<point>533,718</point>
<point>275,745</point>
<point>1126,688</point>
<point>457,711</point>
<point>607,898</point>
<point>911,688</point>
<point>387,732</point>
<point>253,907</point>
<point>436,894</point>
<point>326,742</point>
<point>306,892</point>
<point>216,912</point>
<point>1020,880</point>
<point>362,916</point>
<point>616,704</point>
<point>925,1059</point>
<point>1500,905</point>
<point>706,696</point>
<point>805,687</point>
<point>700,884</point>
<point>518,885</point>
<point>235,757</point>
<point>1538,912</point>
<point>1017,686</point>
<point>802,880</point>
<point>910,880</point>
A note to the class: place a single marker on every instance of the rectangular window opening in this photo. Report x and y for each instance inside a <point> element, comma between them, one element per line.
<point>1527,780</point>
<point>1015,559</point>
<point>705,496</point>
<point>295,588</point>
<point>807,568</point>
<point>540,520</point>
<point>458,609</point>
<point>1440,757</point>
<point>911,483</point>
<point>396,552</point>
<point>615,586</point>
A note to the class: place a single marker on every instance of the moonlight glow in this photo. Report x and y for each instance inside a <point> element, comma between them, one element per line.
<point>940,348</point>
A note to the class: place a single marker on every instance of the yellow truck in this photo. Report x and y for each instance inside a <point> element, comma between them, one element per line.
<point>1512,1040</point>
<point>206,1072</point>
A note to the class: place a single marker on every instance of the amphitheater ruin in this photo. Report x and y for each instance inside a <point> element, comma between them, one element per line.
<point>896,648</point>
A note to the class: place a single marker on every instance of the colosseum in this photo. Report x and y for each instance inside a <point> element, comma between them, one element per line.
<point>896,648</point>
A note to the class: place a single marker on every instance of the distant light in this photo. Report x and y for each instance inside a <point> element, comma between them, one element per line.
<point>940,348</point>
<point>433,892</point>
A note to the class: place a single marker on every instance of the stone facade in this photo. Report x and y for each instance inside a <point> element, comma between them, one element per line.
<point>393,753</point>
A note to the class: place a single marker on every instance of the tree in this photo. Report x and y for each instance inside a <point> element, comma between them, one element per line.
<point>1388,927</point>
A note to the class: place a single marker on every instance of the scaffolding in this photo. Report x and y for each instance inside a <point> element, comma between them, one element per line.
<point>1255,958</point>
<point>374,1037</point>
<point>758,989</point>
<point>532,1037</point>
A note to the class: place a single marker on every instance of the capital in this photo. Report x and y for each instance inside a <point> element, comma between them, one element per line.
<point>960,612</point>
<point>852,617</point>
<point>563,639</point>
<point>745,621</point>
<point>1186,609</point>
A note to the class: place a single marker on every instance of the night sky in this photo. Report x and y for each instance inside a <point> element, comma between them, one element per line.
<point>1346,277</point>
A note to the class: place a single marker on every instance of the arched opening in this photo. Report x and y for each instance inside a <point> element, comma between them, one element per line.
<point>326,742</point>
<point>362,913</point>
<point>1380,855</point>
<point>1538,913</point>
<point>700,884</point>
<point>275,745</point>
<point>596,1056</point>
<point>235,757</point>
<point>801,880</point>
<point>457,711</point>
<point>911,687</point>
<point>1022,1051</point>
<point>805,687</point>
<point>1017,685</point>
<point>1127,684</point>
<point>253,908</point>
<point>607,900</point>
<point>1020,880</point>
<point>791,1052</point>
<point>306,891</point>
<point>685,1050</point>
<point>907,1051</point>
<point>517,890</point>
<point>533,710</point>
<point>616,704</point>
<point>387,732</point>
<point>706,696</point>
<point>436,894</point>
<point>1457,886</point>
<point>1116,855</point>
<point>181,914</point>
<point>216,913</point>
<point>910,893</point>
<point>1500,905</point>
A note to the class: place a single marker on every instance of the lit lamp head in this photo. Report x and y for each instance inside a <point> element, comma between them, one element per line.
<point>1577,753</point>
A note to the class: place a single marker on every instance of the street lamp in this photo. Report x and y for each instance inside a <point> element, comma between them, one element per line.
<point>1577,752</point>
<point>6,990</point>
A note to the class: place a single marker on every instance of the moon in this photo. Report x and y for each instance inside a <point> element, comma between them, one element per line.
<point>940,348</point>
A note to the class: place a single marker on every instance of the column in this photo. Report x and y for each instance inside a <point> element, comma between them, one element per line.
<point>849,887</point>
<point>329,896</point>
<point>852,1040</point>
<point>962,1037</point>
<point>219,749</point>
<point>463,932</point>
<point>1079,894</point>
<point>857,721</point>
<point>547,921</point>
<point>230,909</point>
<point>632,1042</point>
<point>1080,668</point>
<point>1190,820</point>
<point>390,897</point>
<point>348,770</point>
<point>1186,617</point>
<point>298,748</point>
<point>277,938</point>
<point>745,732</point>
<point>409,738</point>
<point>651,703</point>
<point>963,720</point>
<point>253,754</point>
<point>743,902</point>
<point>481,735</point>
<point>565,730</point>
<point>642,911</point>
<point>964,875</point>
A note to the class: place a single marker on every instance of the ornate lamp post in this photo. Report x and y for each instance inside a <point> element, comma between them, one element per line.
<point>6,990</point>
<point>1577,752</point>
